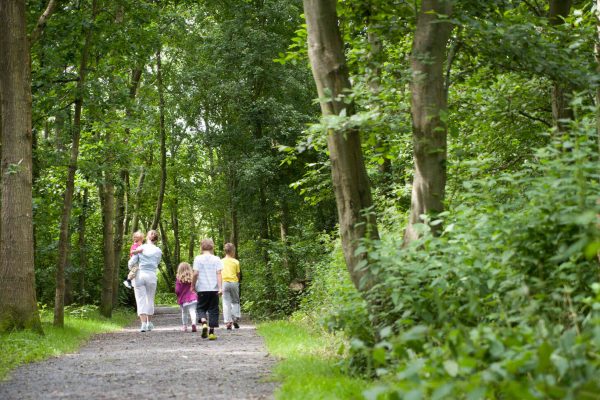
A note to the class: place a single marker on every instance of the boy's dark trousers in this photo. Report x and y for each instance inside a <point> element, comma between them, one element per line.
<point>208,303</point>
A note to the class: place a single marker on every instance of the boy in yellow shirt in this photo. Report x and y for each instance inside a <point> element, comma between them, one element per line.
<point>231,287</point>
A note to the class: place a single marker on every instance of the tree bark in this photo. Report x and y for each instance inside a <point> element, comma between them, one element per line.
<point>561,93</point>
<point>428,109</point>
<point>119,230</point>
<point>349,175</point>
<point>163,145</point>
<point>138,199</point>
<point>18,306</point>
<point>107,200</point>
<point>63,241</point>
<point>82,245</point>
<point>597,55</point>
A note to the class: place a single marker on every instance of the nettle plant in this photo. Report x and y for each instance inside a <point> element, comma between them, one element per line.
<point>506,302</point>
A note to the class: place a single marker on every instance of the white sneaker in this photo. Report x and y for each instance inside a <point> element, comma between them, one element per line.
<point>127,284</point>
<point>149,326</point>
<point>144,327</point>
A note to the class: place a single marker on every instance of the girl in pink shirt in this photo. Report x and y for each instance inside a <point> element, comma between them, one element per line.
<point>186,295</point>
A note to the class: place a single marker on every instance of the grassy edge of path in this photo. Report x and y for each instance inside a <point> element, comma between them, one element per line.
<point>308,363</point>
<point>21,347</point>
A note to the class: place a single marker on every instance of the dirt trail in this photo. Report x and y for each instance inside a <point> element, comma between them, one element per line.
<point>165,363</point>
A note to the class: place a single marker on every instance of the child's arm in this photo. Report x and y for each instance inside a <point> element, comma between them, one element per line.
<point>138,250</point>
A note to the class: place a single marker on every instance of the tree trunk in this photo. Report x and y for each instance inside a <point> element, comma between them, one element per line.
<point>82,244</point>
<point>176,239</point>
<point>561,93</point>
<point>163,145</point>
<point>63,241</point>
<point>170,272</point>
<point>428,108</point>
<point>284,225</point>
<point>138,198</point>
<point>597,54</point>
<point>119,230</point>
<point>350,180</point>
<point>107,200</point>
<point>18,306</point>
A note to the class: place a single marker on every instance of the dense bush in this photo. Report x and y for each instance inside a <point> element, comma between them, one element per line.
<point>504,304</point>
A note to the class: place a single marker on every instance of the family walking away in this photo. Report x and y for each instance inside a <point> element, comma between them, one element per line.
<point>198,286</point>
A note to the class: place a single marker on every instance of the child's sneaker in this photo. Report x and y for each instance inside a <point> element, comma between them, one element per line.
<point>228,326</point>
<point>212,336</point>
<point>184,328</point>
<point>193,327</point>
<point>127,284</point>
<point>204,330</point>
<point>236,325</point>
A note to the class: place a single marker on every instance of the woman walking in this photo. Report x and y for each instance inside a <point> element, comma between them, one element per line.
<point>145,280</point>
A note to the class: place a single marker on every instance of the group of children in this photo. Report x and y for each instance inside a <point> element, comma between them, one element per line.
<point>199,286</point>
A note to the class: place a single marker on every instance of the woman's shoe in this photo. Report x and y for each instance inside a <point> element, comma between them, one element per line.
<point>144,327</point>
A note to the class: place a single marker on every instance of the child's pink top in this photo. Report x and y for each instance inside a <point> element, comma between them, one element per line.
<point>184,292</point>
<point>134,246</point>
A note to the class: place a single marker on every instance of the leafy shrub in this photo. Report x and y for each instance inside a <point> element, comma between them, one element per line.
<point>506,302</point>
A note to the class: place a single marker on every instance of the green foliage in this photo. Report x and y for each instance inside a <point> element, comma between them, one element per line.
<point>309,363</point>
<point>81,323</point>
<point>505,302</point>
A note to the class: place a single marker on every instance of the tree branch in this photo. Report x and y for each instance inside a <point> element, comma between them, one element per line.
<point>39,27</point>
<point>526,115</point>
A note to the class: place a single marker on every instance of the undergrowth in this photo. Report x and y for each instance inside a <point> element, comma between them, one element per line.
<point>21,347</point>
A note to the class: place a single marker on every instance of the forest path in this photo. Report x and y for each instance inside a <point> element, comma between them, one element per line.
<point>164,363</point>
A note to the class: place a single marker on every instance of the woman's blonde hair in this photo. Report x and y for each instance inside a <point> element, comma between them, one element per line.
<point>184,273</point>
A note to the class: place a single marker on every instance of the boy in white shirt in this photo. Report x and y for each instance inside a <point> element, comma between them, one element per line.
<point>209,286</point>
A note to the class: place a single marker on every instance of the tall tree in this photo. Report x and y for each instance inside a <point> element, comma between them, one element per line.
<point>561,109</point>
<point>350,180</point>
<point>18,306</point>
<point>428,109</point>
<point>107,200</point>
<point>163,145</point>
<point>63,241</point>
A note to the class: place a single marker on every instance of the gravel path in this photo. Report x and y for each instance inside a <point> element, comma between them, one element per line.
<point>165,363</point>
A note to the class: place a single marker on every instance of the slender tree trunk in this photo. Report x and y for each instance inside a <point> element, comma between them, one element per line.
<point>119,230</point>
<point>428,108</point>
<point>192,245</point>
<point>82,245</point>
<point>561,93</point>
<point>163,145</point>
<point>63,244</point>
<point>176,239</point>
<point>597,54</point>
<point>107,199</point>
<point>166,250</point>
<point>234,238</point>
<point>18,306</point>
<point>349,175</point>
<point>376,47</point>
<point>138,199</point>
<point>284,225</point>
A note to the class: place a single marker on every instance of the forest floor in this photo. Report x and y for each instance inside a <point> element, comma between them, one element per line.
<point>164,363</point>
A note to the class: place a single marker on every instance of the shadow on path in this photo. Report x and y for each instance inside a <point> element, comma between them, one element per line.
<point>164,363</point>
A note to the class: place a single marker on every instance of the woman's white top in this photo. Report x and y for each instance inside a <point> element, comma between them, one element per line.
<point>148,259</point>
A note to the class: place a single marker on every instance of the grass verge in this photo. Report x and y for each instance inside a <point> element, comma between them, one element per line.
<point>309,364</point>
<point>21,347</point>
